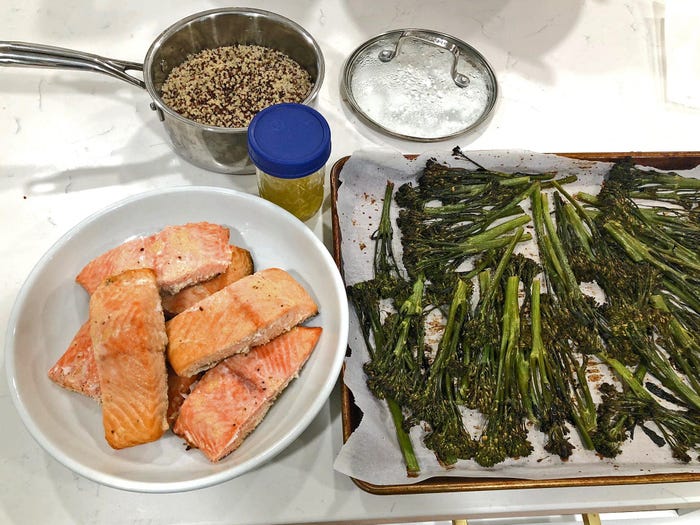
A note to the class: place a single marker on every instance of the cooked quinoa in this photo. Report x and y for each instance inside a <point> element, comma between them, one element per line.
<point>226,86</point>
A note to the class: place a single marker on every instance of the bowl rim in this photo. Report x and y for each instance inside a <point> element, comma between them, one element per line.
<point>209,480</point>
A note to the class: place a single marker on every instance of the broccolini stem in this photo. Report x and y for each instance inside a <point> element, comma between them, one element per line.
<point>573,218</point>
<point>684,293</point>
<point>549,405</point>
<point>560,254</point>
<point>680,334</point>
<point>626,375</point>
<point>384,260</point>
<point>581,211</point>
<point>410,309</point>
<point>537,358</point>
<point>492,238</point>
<point>587,198</point>
<point>502,264</point>
<point>510,335</point>
<point>557,269</point>
<point>664,372</point>
<point>677,281</point>
<point>665,181</point>
<point>641,252</point>
<point>367,309</point>
<point>409,455</point>
<point>455,319</point>
<point>585,412</point>
<point>497,231</point>
<point>568,179</point>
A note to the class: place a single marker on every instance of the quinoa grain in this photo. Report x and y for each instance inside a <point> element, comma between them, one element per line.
<point>226,86</point>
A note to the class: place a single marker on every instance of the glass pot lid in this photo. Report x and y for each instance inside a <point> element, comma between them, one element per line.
<point>418,84</point>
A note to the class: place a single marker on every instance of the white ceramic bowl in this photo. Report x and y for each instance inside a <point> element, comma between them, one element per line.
<point>51,307</point>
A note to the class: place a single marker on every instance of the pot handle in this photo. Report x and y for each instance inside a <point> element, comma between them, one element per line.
<point>38,55</point>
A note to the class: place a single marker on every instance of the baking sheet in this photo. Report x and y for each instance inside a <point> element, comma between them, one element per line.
<point>370,453</point>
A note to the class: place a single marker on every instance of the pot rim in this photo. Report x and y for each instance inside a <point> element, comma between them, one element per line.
<point>174,28</point>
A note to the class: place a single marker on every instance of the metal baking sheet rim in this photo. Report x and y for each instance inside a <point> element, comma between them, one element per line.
<point>350,412</point>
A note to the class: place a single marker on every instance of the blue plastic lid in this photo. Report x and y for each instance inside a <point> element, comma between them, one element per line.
<point>289,140</point>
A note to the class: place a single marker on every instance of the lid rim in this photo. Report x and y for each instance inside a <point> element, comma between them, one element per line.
<point>348,96</point>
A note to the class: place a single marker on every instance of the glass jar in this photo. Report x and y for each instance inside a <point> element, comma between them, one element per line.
<point>289,145</point>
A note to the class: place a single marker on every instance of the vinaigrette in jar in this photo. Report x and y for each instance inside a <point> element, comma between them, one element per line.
<point>290,145</point>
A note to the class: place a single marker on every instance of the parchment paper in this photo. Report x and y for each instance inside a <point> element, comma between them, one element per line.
<point>371,454</point>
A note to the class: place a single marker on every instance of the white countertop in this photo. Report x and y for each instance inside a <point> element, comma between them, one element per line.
<point>573,76</point>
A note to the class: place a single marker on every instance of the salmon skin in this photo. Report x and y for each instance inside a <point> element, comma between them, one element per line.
<point>233,397</point>
<point>127,328</point>
<point>180,256</point>
<point>249,312</point>
<point>241,266</point>
<point>76,369</point>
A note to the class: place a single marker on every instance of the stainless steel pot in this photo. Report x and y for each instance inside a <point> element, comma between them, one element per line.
<point>224,150</point>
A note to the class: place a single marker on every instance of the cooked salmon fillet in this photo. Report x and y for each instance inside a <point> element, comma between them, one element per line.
<point>249,312</point>
<point>180,255</point>
<point>131,255</point>
<point>233,397</point>
<point>76,369</point>
<point>189,254</point>
<point>178,390</point>
<point>127,328</point>
<point>241,266</point>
